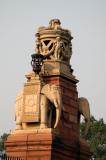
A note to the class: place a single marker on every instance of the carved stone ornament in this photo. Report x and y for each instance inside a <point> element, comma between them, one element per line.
<point>54,42</point>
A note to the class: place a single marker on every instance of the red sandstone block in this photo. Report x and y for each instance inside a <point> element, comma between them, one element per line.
<point>65,116</point>
<point>64,132</point>
<point>70,109</point>
<point>39,136</point>
<point>16,147</point>
<point>73,136</point>
<point>17,137</point>
<point>75,127</point>
<point>73,118</point>
<point>68,85</point>
<point>63,80</point>
<point>40,142</point>
<point>39,147</point>
<point>69,94</point>
<point>67,125</point>
<point>38,153</point>
<point>39,158</point>
<point>67,100</point>
<point>63,157</point>
<point>73,103</point>
<point>65,103</point>
<point>75,95</point>
<point>16,153</point>
<point>68,134</point>
<point>45,158</point>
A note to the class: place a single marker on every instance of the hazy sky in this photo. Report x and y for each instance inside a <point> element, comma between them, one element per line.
<point>19,20</point>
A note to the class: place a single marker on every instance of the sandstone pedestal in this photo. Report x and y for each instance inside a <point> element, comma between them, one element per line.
<point>45,146</point>
<point>30,146</point>
<point>50,144</point>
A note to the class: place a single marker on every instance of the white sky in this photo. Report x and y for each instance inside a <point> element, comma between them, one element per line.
<point>19,20</point>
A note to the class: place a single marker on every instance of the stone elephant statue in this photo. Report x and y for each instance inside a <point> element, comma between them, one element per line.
<point>50,98</point>
<point>50,108</point>
<point>84,109</point>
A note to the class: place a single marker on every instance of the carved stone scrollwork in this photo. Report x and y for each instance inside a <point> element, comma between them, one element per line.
<point>54,42</point>
<point>47,47</point>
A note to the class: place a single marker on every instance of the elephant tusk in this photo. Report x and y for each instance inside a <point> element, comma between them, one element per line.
<point>58,113</point>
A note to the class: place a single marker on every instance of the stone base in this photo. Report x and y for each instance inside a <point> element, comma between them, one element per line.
<point>45,145</point>
<point>84,150</point>
<point>50,144</point>
<point>30,146</point>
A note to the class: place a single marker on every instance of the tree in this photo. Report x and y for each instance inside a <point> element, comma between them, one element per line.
<point>2,140</point>
<point>96,137</point>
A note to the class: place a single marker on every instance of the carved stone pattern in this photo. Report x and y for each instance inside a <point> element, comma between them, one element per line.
<point>30,104</point>
<point>54,42</point>
<point>19,108</point>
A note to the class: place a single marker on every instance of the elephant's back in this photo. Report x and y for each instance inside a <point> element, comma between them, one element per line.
<point>83,104</point>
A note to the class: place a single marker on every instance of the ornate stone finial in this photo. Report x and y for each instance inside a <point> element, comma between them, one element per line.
<point>54,42</point>
<point>54,24</point>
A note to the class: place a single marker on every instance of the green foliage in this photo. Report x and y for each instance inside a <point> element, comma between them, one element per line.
<point>96,137</point>
<point>2,140</point>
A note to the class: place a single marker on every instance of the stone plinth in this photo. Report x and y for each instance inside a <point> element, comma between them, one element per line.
<point>30,145</point>
<point>49,144</point>
<point>45,146</point>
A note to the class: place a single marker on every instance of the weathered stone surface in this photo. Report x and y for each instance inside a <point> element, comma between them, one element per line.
<point>54,42</point>
<point>46,97</point>
<point>43,146</point>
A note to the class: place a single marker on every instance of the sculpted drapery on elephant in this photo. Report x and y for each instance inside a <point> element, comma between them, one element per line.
<point>19,110</point>
<point>50,108</point>
<point>84,109</point>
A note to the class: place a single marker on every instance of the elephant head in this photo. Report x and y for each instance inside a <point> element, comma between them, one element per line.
<point>52,94</point>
